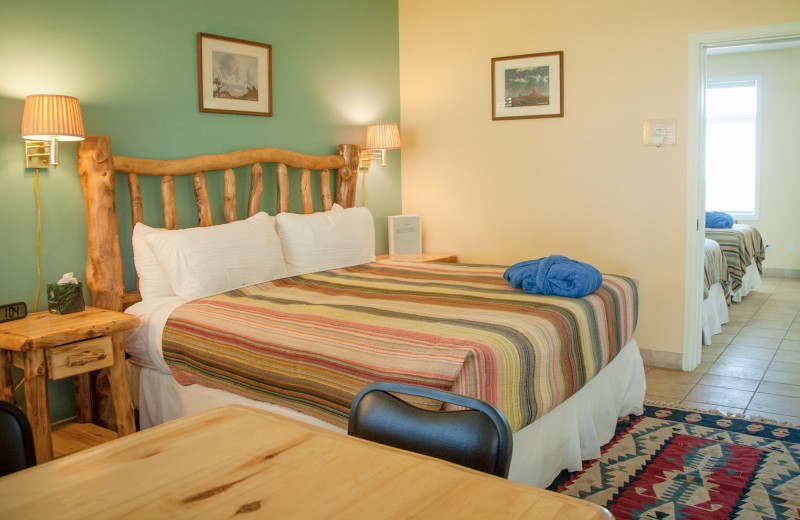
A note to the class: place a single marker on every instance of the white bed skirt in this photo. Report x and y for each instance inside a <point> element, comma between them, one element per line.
<point>751,281</point>
<point>715,312</point>
<point>572,432</point>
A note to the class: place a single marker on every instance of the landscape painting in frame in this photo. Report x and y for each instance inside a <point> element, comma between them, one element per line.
<point>234,76</point>
<point>528,86</point>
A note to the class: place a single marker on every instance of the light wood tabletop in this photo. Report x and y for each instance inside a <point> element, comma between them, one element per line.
<point>237,459</point>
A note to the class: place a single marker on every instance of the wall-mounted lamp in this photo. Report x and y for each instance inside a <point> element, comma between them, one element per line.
<point>379,139</point>
<point>46,120</point>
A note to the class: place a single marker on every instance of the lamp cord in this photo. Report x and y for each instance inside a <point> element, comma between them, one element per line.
<point>364,188</point>
<point>38,239</point>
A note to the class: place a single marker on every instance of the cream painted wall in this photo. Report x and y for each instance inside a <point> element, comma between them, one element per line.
<point>582,185</point>
<point>780,155</point>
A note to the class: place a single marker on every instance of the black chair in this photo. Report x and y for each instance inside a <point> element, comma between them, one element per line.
<point>16,440</point>
<point>479,437</point>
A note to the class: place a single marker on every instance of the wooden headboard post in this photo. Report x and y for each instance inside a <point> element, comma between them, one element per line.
<point>104,260</point>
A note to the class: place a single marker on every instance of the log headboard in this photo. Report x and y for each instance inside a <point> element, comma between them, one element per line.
<point>98,167</point>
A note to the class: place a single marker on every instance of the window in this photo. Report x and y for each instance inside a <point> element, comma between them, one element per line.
<point>733,108</point>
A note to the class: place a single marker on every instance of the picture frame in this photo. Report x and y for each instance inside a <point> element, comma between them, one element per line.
<point>528,86</point>
<point>234,76</point>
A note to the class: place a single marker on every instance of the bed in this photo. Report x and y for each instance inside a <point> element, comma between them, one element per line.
<point>716,290</point>
<point>744,253</point>
<point>327,318</point>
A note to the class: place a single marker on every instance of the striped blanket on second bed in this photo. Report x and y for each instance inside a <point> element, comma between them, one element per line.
<point>312,342</point>
<point>715,269</point>
<point>742,245</point>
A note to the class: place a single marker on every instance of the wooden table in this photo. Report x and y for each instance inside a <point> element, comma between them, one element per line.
<point>238,459</point>
<point>420,257</point>
<point>47,345</point>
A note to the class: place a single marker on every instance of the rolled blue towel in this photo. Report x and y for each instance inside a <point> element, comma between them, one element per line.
<point>554,275</point>
<point>718,219</point>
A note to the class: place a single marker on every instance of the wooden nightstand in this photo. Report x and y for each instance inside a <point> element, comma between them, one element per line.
<point>47,345</point>
<point>421,257</point>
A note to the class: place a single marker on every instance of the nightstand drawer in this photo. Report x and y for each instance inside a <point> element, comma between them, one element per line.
<point>80,357</point>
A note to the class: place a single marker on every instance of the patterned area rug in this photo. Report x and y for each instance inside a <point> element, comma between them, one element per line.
<point>675,464</point>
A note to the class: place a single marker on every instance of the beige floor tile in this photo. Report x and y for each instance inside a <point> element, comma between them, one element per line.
<point>793,335</point>
<point>787,356</point>
<point>736,383</point>
<point>775,404</point>
<point>708,357</point>
<point>756,332</point>
<point>737,361</point>
<point>768,387</point>
<point>673,376</point>
<point>714,349</point>
<point>734,371</point>
<point>721,339</point>
<point>790,344</point>
<point>666,389</point>
<point>788,378</point>
<point>720,396</point>
<point>768,324</point>
<point>753,341</point>
<point>750,352</point>
<point>779,418</point>
<point>782,366</point>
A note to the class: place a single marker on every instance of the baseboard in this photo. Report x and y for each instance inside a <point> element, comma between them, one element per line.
<point>661,359</point>
<point>776,272</point>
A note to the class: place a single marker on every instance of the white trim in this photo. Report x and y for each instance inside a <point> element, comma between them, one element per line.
<point>699,45</point>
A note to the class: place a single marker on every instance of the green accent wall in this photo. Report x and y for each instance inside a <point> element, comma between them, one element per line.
<point>133,67</point>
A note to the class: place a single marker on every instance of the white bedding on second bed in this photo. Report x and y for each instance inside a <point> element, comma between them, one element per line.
<point>572,432</point>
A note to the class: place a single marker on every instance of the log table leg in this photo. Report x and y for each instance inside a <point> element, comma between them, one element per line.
<point>6,383</point>
<point>118,379</point>
<point>37,405</point>
<point>83,397</point>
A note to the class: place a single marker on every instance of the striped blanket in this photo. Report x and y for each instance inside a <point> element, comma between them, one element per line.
<point>312,342</point>
<point>741,245</point>
<point>715,269</point>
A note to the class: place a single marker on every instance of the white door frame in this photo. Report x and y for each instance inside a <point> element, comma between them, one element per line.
<point>699,43</point>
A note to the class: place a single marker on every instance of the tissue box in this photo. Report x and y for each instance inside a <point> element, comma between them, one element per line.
<point>66,298</point>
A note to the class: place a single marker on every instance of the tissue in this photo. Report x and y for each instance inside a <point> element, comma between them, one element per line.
<point>66,295</point>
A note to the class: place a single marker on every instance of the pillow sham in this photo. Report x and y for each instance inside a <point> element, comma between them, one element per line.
<point>210,260</point>
<point>327,240</point>
<point>153,281</point>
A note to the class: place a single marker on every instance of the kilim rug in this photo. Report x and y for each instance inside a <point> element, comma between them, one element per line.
<point>675,464</point>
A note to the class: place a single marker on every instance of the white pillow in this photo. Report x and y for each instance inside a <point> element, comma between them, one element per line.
<point>203,261</point>
<point>327,240</point>
<point>153,281</point>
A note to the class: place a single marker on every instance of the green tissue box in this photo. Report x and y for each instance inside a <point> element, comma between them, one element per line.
<point>66,298</point>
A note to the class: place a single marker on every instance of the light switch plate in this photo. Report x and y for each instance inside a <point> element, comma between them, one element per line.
<point>659,132</point>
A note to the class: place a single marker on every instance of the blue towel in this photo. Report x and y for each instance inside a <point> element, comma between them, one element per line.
<point>554,275</point>
<point>718,219</point>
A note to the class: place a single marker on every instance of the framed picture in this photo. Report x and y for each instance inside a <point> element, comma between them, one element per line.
<point>234,76</point>
<point>528,86</point>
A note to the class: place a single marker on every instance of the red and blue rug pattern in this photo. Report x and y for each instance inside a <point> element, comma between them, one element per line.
<point>675,464</point>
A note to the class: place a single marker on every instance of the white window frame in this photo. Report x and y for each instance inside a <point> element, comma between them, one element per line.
<point>732,81</point>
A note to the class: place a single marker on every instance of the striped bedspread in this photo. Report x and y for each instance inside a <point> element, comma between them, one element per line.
<point>741,245</point>
<point>312,342</point>
<point>715,269</point>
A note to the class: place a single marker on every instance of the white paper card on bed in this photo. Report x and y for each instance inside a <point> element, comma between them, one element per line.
<point>329,240</point>
<point>210,260</point>
<point>153,282</point>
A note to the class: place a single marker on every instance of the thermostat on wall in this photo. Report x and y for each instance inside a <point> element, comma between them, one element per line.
<point>405,234</point>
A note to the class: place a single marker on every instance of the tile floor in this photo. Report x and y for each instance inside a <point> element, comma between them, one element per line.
<point>752,367</point>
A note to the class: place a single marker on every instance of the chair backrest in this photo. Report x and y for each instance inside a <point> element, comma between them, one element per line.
<point>479,437</point>
<point>16,440</point>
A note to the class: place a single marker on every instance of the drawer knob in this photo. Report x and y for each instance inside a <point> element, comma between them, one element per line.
<point>80,359</point>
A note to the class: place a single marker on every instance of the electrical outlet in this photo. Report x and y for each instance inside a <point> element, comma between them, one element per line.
<point>766,247</point>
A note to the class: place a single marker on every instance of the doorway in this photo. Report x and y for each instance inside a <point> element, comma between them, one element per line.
<point>740,40</point>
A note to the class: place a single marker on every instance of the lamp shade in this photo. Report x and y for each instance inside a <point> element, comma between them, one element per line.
<point>384,136</point>
<point>48,115</point>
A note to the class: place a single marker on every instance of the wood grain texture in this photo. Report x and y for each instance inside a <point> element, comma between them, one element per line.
<point>104,261</point>
<point>84,407</point>
<point>201,200</point>
<point>36,406</point>
<point>121,397</point>
<point>347,176</point>
<point>225,161</point>
<point>256,189</point>
<point>325,189</point>
<point>282,180</point>
<point>287,469</point>
<point>6,382</point>
<point>305,191</point>
<point>168,207</point>
<point>229,196</point>
<point>137,214</point>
